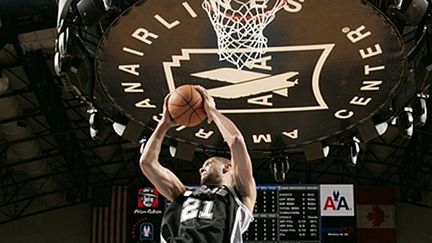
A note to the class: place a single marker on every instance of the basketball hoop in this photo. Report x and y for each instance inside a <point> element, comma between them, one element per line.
<point>239,26</point>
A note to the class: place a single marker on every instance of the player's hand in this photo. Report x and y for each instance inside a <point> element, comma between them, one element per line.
<point>209,103</point>
<point>166,118</point>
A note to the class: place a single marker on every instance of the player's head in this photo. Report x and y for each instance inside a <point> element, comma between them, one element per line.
<point>216,171</point>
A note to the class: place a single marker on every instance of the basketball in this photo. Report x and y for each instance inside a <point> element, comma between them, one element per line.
<point>185,106</point>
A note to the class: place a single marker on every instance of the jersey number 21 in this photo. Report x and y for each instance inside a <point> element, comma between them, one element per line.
<point>195,208</point>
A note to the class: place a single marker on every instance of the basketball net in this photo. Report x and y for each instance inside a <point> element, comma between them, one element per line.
<point>239,26</point>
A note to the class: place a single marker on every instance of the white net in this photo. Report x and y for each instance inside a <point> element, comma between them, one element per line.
<point>239,26</point>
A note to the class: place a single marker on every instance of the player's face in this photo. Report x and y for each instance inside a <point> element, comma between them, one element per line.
<point>211,172</point>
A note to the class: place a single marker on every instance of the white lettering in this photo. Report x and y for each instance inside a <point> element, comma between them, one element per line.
<point>357,35</point>
<point>203,134</point>
<point>132,88</point>
<point>262,137</point>
<point>293,6</point>
<point>263,100</point>
<point>132,69</point>
<point>344,114</point>
<point>189,9</point>
<point>259,63</point>
<point>369,85</point>
<point>369,52</point>
<point>133,52</point>
<point>157,118</point>
<point>145,104</point>
<point>165,23</point>
<point>368,69</point>
<point>142,35</point>
<point>360,101</point>
<point>292,135</point>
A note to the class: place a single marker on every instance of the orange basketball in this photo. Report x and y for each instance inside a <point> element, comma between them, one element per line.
<point>185,106</point>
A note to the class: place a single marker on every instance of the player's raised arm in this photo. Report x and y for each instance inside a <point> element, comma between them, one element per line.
<point>242,165</point>
<point>166,182</point>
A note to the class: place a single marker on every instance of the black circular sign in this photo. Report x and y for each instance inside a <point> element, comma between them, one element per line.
<point>329,65</point>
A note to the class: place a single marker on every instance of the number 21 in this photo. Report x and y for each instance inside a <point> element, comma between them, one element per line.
<point>191,209</point>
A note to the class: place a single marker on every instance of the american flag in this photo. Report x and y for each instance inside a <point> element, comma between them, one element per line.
<point>109,214</point>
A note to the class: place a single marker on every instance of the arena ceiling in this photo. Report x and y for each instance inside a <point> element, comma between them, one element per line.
<point>49,160</point>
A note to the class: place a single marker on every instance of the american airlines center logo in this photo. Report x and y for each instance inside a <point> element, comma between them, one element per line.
<point>329,65</point>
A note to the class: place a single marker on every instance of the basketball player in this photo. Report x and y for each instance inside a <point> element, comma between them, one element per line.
<point>221,209</point>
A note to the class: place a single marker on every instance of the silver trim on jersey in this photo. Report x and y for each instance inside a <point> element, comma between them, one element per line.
<point>242,219</point>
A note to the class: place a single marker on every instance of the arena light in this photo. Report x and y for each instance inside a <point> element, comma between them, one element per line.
<point>61,45</point>
<point>422,108</point>
<point>368,130</point>
<point>63,10</point>
<point>182,150</point>
<point>132,131</point>
<point>119,128</point>
<point>57,64</point>
<point>4,82</point>
<point>315,151</point>
<point>62,42</point>
<point>90,11</point>
<point>142,142</point>
<point>95,123</point>
<point>279,167</point>
<point>411,11</point>
<point>352,150</point>
<point>405,122</point>
<point>381,128</point>
<point>173,149</point>
<point>108,4</point>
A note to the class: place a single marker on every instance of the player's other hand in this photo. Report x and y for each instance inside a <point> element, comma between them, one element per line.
<point>209,103</point>
<point>166,118</point>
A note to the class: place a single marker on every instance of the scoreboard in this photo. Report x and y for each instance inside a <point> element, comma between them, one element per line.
<point>286,214</point>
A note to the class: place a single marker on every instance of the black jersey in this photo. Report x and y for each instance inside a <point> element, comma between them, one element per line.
<point>206,214</point>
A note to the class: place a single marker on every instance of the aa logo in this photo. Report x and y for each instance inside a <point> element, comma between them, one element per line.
<point>336,202</point>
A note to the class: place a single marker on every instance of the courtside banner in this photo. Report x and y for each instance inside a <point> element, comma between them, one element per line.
<point>145,211</point>
<point>337,200</point>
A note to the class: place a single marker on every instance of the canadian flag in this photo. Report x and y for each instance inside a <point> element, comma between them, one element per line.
<point>375,215</point>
